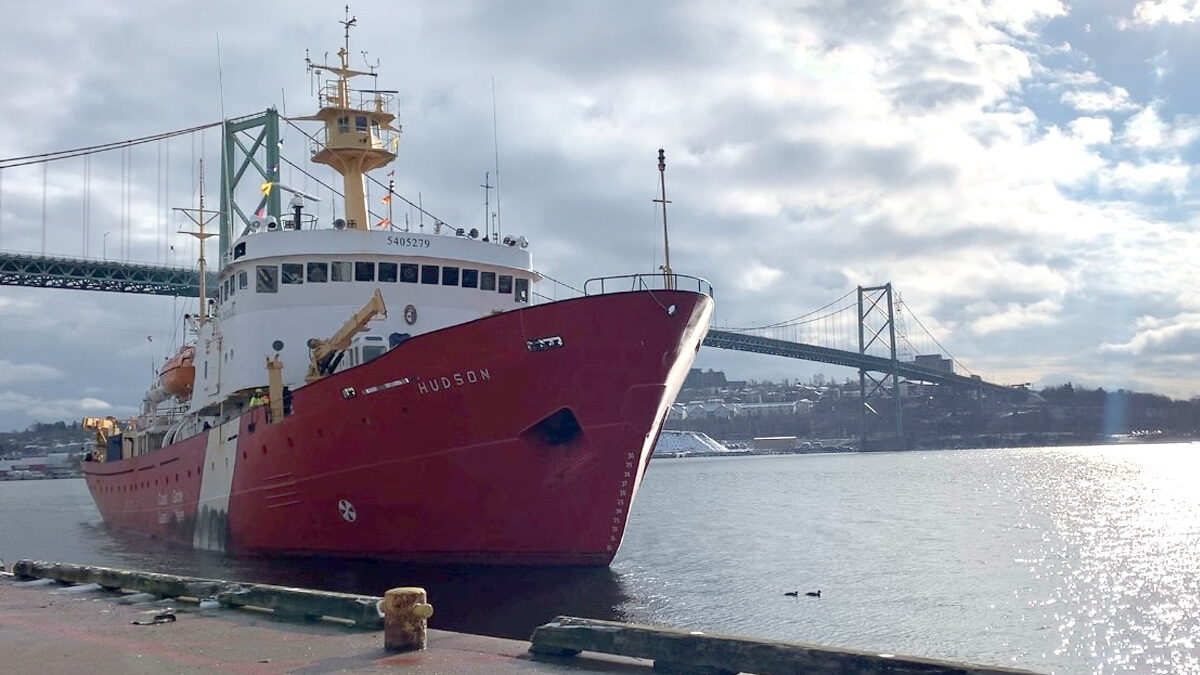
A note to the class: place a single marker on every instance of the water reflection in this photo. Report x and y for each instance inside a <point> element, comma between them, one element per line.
<point>1120,560</point>
<point>501,601</point>
<point>1065,560</point>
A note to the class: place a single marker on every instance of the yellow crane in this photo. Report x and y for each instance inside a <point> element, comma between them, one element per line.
<point>324,355</point>
<point>104,427</point>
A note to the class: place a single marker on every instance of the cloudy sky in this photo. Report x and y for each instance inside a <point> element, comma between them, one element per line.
<point>1022,171</point>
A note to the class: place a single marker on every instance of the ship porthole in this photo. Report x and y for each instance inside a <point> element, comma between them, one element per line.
<point>347,510</point>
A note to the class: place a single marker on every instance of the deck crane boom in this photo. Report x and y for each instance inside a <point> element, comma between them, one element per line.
<point>324,355</point>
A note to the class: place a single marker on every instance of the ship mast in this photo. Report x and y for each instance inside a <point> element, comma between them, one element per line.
<point>358,136</point>
<point>201,217</point>
<point>668,279</point>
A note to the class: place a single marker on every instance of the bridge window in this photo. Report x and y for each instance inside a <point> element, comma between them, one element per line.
<point>293,273</point>
<point>408,273</point>
<point>429,274</point>
<point>343,125</point>
<point>449,276</point>
<point>239,250</point>
<point>340,271</point>
<point>243,280</point>
<point>267,279</point>
<point>232,284</point>
<point>364,271</point>
<point>505,283</point>
<point>522,290</point>
<point>318,272</point>
<point>387,272</point>
<point>360,122</point>
<point>487,281</point>
<point>470,278</point>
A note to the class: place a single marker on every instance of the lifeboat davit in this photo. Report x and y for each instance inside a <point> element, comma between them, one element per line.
<point>178,374</point>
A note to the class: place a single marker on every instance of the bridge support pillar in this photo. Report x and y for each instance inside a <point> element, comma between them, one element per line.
<point>261,155</point>
<point>877,331</point>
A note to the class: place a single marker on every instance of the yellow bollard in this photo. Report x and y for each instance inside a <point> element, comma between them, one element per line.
<point>405,619</point>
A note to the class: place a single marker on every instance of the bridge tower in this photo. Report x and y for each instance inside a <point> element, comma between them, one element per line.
<point>262,156</point>
<point>877,329</point>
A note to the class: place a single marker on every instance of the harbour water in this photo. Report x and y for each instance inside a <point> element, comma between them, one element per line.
<point>1064,560</point>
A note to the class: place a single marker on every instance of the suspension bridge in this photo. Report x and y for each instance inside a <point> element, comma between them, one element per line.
<point>869,329</point>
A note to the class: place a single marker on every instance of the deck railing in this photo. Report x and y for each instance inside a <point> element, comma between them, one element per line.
<point>647,282</point>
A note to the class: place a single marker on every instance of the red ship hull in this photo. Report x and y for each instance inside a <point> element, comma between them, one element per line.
<point>520,438</point>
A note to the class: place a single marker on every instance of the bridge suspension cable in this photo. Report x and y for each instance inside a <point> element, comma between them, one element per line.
<point>908,310</point>
<point>800,319</point>
<point>13,162</point>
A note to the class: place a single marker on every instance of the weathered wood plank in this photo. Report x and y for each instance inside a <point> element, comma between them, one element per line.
<point>302,602</point>
<point>679,649</point>
<point>166,585</point>
<point>294,602</point>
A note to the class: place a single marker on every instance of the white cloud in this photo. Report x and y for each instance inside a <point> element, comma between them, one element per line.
<point>1092,130</point>
<point>1152,12</point>
<point>758,277</point>
<point>1014,316</point>
<point>1175,336</point>
<point>1114,99</point>
<point>25,372</point>
<point>49,409</point>
<point>1146,130</point>
<point>1019,15</point>
<point>1170,177</point>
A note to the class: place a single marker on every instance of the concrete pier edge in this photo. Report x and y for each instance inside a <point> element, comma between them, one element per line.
<point>360,610</point>
<point>557,642</point>
<point>675,650</point>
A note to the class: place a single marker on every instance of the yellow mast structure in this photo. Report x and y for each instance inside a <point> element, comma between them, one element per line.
<point>358,136</point>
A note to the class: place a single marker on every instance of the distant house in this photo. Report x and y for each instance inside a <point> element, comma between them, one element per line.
<point>768,409</point>
<point>710,410</point>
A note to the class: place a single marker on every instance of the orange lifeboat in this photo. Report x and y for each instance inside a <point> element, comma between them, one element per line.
<point>178,374</point>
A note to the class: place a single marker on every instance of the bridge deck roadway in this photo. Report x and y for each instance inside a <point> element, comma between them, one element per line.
<point>796,350</point>
<point>18,269</point>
